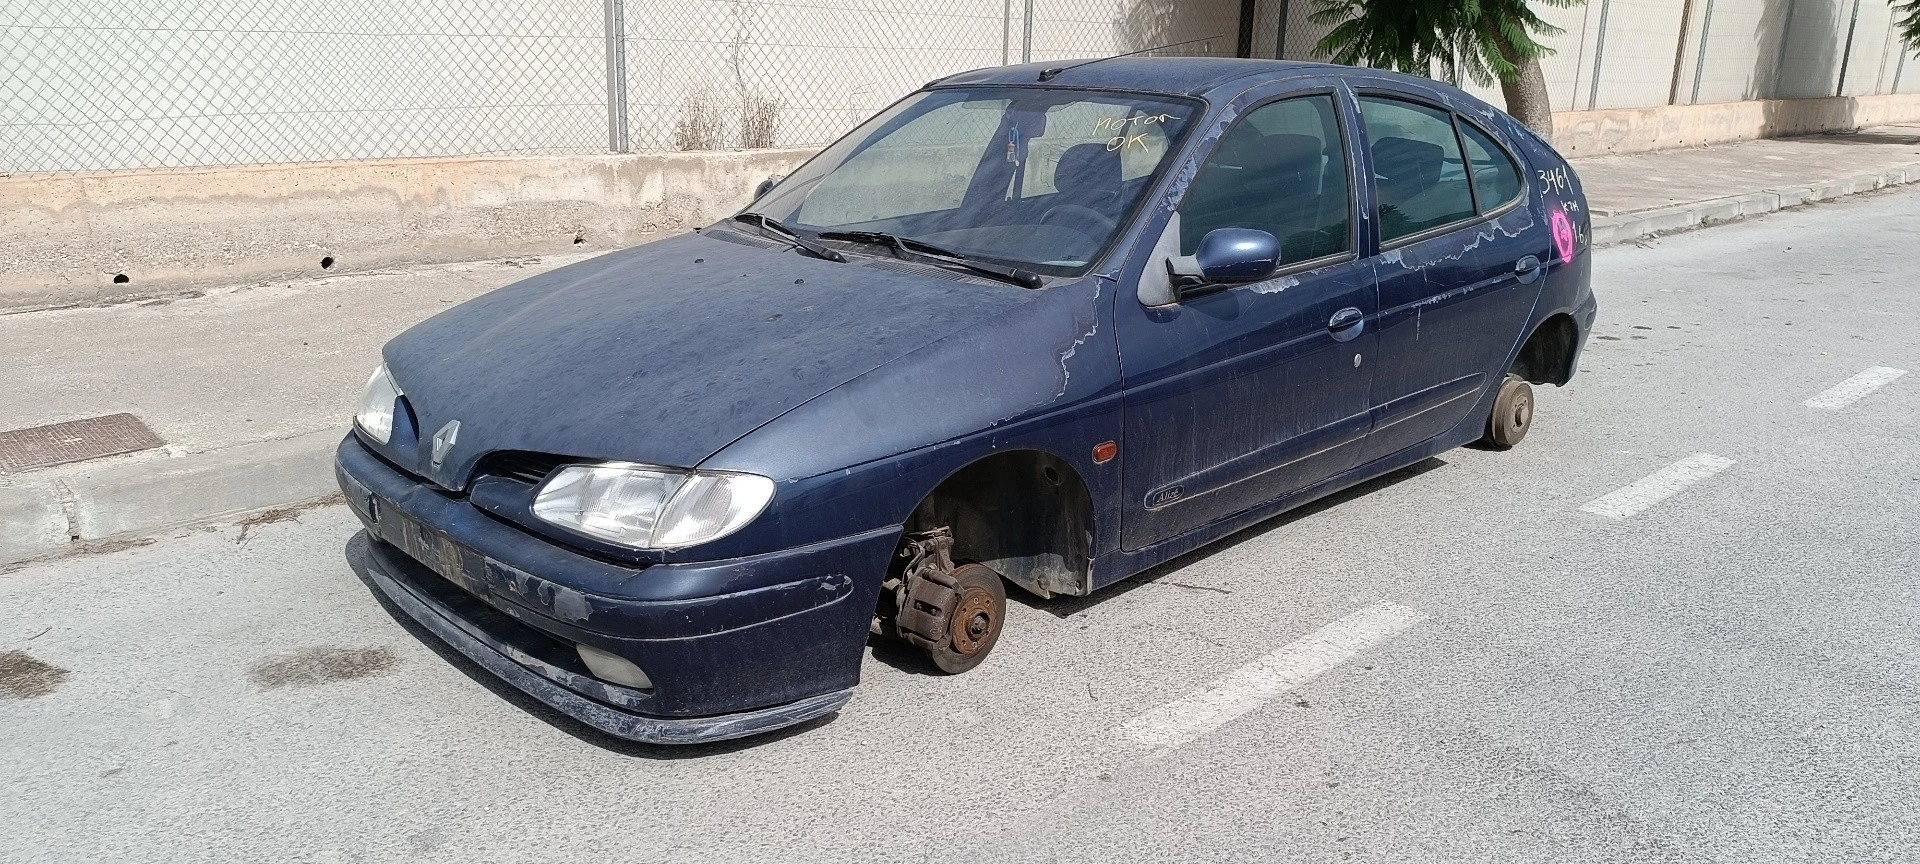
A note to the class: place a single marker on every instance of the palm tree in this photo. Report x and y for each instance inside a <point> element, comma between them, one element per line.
<point>1909,23</point>
<point>1485,40</point>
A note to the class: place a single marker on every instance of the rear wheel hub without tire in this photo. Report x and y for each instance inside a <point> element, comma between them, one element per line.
<point>1512,414</point>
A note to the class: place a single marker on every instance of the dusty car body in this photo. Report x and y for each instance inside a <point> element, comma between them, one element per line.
<point>1161,300</point>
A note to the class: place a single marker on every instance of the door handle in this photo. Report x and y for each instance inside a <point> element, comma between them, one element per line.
<point>1346,323</point>
<point>1528,268</point>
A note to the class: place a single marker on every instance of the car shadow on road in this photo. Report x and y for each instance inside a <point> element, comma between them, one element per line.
<point>1067,606</point>
<point>356,555</point>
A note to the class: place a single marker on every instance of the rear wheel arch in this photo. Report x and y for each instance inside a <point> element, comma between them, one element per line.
<point>1548,355</point>
<point>1027,514</point>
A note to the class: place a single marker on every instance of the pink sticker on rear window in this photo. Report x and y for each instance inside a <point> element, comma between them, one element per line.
<point>1562,234</point>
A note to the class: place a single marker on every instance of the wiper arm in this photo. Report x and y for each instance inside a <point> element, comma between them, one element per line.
<point>905,246</point>
<point>771,228</point>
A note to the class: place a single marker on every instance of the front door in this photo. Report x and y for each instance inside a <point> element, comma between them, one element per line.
<point>1236,395</point>
<point>1459,269</point>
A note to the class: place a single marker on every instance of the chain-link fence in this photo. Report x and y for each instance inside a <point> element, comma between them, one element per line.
<point>89,85</point>
<point>707,74</point>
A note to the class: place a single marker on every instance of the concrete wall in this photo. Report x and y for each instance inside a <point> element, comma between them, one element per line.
<point>1638,130</point>
<point>64,239</point>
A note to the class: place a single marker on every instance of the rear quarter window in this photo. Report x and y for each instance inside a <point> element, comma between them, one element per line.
<point>1495,176</point>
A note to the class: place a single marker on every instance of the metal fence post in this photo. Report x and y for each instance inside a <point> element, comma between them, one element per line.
<point>1580,57</point>
<point>1599,53</point>
<point>1026,37</point>
<point>1006,32</point>
<point>1846,52</point>
<point>617,77</point>
<point>1700,61</point>
<point>1680,52</point>
<point>1780,62</point>
<point>1280,37</point>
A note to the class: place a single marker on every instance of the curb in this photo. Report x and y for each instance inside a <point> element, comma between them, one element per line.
<point>79,512</point>
<point>1627,227</point>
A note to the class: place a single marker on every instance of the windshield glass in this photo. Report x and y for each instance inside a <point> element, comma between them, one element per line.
<point>1036,178</point>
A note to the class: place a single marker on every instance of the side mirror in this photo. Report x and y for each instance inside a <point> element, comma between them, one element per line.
<point>765,186</point>
<point>1227,256</point>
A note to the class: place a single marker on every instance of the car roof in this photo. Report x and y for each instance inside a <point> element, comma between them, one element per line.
<point>1191,76</point>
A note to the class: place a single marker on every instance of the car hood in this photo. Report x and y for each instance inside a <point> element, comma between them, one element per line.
<point>664,353</point>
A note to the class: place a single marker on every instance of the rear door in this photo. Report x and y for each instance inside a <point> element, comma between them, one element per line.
<point>1243,393</point>
<point>1459,268</point>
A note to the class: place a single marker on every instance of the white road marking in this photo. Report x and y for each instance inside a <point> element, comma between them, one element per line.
<point>1853,389</point>
<point>1250,686</point>
<point>1658,486</point>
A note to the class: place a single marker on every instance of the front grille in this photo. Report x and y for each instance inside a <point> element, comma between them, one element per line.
<point>520,465</point>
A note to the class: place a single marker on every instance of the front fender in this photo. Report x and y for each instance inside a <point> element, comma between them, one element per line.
<point>864,454</point>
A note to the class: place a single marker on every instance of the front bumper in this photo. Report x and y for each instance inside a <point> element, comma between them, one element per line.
<point>733,648</point>
<point>541,680</point>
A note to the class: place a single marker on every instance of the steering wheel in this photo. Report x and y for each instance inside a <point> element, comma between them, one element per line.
<point>1074,217</point>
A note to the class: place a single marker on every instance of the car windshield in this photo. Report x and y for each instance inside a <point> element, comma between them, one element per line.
<point>1035,178</point>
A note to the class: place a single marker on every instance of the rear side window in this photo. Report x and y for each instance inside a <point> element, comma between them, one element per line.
<point>1495,178</point>
<point>1419,177</point>
<point>1283,170</point>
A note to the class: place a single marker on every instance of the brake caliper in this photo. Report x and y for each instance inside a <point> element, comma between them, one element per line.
<point>923,593</point>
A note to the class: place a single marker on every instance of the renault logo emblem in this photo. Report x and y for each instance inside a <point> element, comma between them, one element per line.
<point>444,440</point>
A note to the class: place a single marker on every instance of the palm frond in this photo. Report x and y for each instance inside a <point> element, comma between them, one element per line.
<point>1455,38</point>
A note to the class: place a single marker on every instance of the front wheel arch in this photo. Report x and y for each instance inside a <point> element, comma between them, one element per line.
<point>1026,514</point>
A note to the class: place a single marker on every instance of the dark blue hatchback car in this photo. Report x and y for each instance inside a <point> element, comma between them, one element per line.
<point>1040,325</point>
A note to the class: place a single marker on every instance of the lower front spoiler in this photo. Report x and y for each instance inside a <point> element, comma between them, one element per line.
<point>613,721</point>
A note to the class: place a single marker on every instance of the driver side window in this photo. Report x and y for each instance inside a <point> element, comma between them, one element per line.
<point>1281,169</point>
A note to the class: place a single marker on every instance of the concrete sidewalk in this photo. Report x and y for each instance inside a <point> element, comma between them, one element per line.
<point>1646,194</point>
<point>251,386</point>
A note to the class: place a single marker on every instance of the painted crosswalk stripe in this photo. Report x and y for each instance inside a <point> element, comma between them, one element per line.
<point>1658,486</point>
<point>1854,389</point>
<point>1252,685</point>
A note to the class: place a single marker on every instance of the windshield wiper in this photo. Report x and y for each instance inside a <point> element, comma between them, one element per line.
<point>907,246</point>
<point>771,228</point>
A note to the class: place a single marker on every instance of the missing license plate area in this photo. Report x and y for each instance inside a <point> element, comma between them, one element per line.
<point>74,441</point>
<point>437,551</point>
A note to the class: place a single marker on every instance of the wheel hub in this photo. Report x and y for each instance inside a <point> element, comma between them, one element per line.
<point>1522,412</point>
<point>972,621</point>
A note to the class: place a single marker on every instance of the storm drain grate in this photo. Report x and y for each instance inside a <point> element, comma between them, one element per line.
<point>73,441</point>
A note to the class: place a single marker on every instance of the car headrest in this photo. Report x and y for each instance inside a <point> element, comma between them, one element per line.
<point>1408,163</point>
<point>1293,150</point>
<point>1087,169</point>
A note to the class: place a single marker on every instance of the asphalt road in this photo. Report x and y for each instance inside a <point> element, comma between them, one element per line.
<point>1714,664</point>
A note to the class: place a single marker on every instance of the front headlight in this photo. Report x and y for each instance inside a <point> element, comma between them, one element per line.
<point>646,507</point>
<point>376,405</point>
